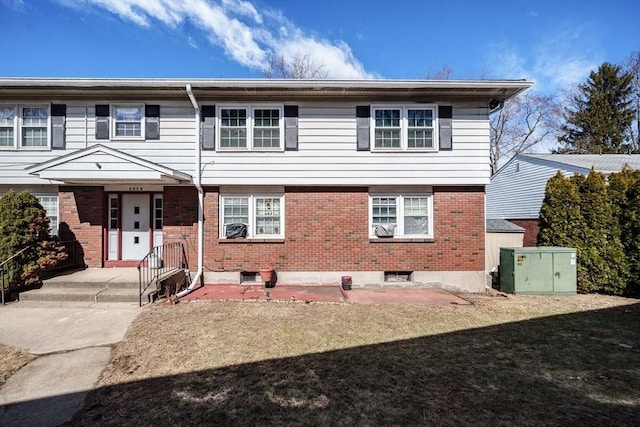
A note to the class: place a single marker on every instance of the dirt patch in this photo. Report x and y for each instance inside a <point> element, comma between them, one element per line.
<point>516,360</point>
<point>11,360</point>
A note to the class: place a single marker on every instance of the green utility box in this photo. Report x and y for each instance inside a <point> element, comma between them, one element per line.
<point>538,270</point>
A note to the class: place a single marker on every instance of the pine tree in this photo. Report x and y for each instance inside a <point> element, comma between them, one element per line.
<point>600,114</point>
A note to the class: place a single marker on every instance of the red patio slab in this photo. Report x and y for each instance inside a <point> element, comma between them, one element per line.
<point>314,293</point>
<point>324,293</point>
<point>430,296</point>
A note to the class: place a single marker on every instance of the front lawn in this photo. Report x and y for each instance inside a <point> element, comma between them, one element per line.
<point>538,360</point>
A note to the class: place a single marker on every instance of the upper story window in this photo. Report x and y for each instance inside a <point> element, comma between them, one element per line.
<point>258,127</point>
<point>401,215</point>
<point>128,121</point>
<point>404,127</point>
<point>252,216</point>
<point>25,127</point>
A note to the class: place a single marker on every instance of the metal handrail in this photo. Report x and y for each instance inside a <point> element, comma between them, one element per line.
<point>4,263</point>
<point>158,263</point>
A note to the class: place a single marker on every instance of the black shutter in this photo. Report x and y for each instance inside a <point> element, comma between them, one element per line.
<point>58,124</point>
<point>445,114</point>
<point>291,127</point>
<point>102,122</point>
<point>152,122</point>
<point>363,116</point>
<point>208,127</point>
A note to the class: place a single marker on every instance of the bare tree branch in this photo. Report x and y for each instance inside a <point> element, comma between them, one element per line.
<point>524,122</point>
<point>299,66</point>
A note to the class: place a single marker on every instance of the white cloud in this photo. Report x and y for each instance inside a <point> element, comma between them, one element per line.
<point>192,42</point>
<point>246,35</point>
<point>552,66</point>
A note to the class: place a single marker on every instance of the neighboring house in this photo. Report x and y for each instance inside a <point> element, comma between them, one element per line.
<point>501,234</point>
<point>516,191</point>
<point>382,180</point>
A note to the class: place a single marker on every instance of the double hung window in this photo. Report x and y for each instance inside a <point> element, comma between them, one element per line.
<point>404,127</point>
<point>261,214</point>
<point>401,215</point>
<point>25,127</point>
<point>50,205</point>
<point>250,127</point>
<point>128,121</point>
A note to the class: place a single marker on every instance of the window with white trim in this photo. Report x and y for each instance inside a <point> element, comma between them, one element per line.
<point>242,127</point>
<point>262,214</point>
<point>401,215</point>
<point>25,127</point>
<point>128,121</point>
<point>50,205</point>
<point>404,127</point>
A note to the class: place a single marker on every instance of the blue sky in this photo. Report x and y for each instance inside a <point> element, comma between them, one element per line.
<point>555,43</point>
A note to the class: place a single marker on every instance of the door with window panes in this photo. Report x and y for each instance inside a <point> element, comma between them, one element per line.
<point>135,225</point>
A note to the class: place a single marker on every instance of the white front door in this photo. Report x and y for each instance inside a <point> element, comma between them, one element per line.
<point>135,226</point>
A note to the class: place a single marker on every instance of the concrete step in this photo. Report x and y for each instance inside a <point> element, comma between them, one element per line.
<point>86,294</point>
<point>89,285</point>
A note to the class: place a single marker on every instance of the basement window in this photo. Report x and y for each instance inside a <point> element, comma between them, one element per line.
<point>398,276</point>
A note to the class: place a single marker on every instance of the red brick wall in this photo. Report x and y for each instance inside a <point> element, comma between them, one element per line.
<point>81,218</point>
<point>327,230</point>
<point>532,228</point>
<point>181,220</point>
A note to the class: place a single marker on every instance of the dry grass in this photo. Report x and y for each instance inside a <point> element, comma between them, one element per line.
<point>502,361</point>
<point>11,360</point>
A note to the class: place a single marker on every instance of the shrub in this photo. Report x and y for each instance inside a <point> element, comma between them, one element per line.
<point>24,225</point>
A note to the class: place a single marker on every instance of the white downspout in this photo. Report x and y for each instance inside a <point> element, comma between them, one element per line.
<point>195,283</point>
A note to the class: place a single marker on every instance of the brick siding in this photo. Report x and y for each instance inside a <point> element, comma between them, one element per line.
<point>532,228</point>
<point>81,218</point>
<point>327,230</point>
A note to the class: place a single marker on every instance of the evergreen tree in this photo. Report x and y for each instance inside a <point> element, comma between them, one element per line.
<point>624,195</point>
<point>561,222</point>
<point>603,266</point>
<point>24,225</point>
<point>600,114</point>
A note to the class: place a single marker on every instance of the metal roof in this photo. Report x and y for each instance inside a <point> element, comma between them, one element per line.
<point>260,88</point>
<point>605,163</point>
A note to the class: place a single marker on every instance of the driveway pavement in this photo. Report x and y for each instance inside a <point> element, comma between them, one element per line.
<point>73,343</point>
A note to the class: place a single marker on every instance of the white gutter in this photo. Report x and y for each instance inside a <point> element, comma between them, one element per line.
<point>195,283</point>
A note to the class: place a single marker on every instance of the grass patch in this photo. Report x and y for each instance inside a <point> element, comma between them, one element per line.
<point>502,361</point>
<point>11,360</point>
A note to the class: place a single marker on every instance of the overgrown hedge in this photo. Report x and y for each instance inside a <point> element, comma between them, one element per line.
<point>24,225</point>
<point>601,219</point>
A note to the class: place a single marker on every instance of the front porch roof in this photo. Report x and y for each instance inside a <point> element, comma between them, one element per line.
<point>103,165</point>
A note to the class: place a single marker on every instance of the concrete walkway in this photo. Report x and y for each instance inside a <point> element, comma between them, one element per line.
<point>73,341</point>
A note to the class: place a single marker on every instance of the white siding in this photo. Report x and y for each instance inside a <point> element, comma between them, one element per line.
<point>327,152</point>
<point>174,149</point>
<point>516,191</point>
<point>327,155</point>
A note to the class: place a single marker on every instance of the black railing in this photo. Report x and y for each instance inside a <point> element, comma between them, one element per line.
<point>160,262</point>
<point>9,269</point>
